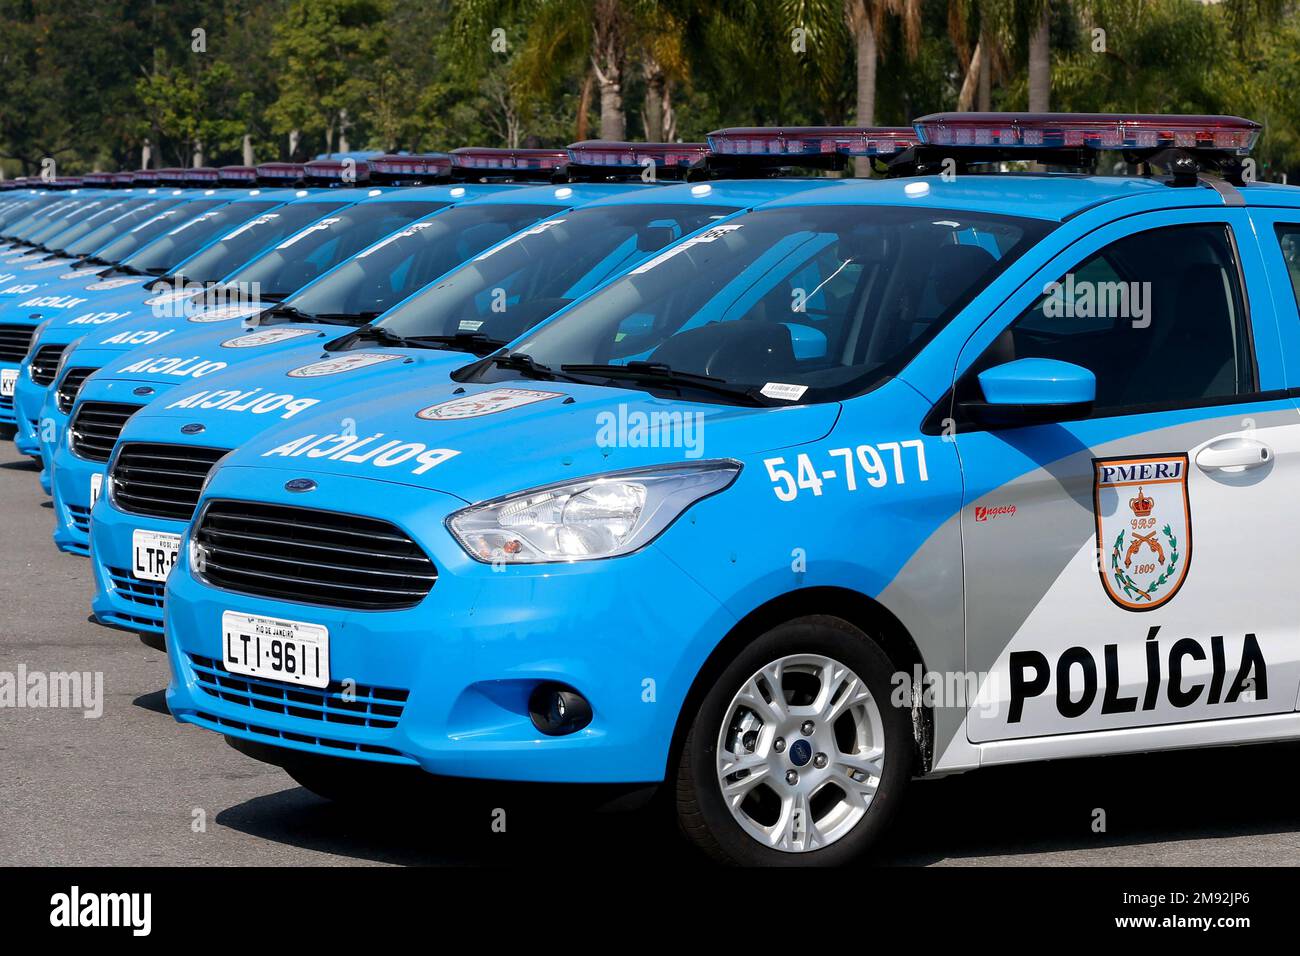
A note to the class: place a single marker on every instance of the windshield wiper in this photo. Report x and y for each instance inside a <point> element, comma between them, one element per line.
<point>377,333</point>
<point>288,313</point>
<point>124,269</point>
<point>345,318</point>
<point>657,373</point>
<point>523,363</point>
<point>478,343</point>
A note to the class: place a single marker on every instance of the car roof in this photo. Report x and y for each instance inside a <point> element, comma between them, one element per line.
<point>443,192</point>
<point>740,193</point>
<point>1052,196</point>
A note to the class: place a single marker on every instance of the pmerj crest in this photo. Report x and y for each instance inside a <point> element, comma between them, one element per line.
<point>1144,528</point>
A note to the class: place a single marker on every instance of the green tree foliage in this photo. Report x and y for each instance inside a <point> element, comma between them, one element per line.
<point>89,84</point>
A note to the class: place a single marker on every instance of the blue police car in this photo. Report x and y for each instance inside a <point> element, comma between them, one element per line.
<point>892,479</point>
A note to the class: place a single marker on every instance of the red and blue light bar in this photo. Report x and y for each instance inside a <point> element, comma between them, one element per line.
<point>808,142</point>
<point>336,172</point>
<point>237,175</point>
<point>401,167</point>
<point>622,156</point>
<point>1095,131</point>
<point>489,161</point>
<point>280,173</point>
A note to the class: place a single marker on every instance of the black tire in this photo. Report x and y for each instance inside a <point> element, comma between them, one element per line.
<point>702,813</point>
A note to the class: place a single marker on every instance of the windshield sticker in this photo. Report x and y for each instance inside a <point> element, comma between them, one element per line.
<point>484,403</point>
<point>404,234</point>
<point>788,393</point>
<point>356,450</point>
<point>113,284</point>
<point>224,313</point>
<point>190,367</point>
<point>258,401</point>
<point>708,235</point>
<point>265,337</point>
<point>469,325</point>
<point>303,234</point>
<point>537,230</point>
<point>346,362</point>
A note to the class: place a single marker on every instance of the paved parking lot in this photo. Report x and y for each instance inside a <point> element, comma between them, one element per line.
<point>128,787</point>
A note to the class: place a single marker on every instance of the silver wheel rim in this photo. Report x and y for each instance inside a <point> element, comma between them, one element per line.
<point>800,753</point>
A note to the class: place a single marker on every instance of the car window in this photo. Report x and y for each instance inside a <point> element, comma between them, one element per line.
<point>189,237</point>
<point>827,300</point>
<point>1159,317</point>
<point>1288,237</point>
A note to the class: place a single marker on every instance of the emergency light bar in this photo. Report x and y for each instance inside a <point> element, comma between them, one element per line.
<point>283,174</point>
<point>619,158</point>
<point>171,176</point>
<point>64,182</point>
<point>336,172</point>
<point>803,142</point>
<point>202,176</point>
<point>1115,131</point>
<point>237,175</point>
<point>410,170</point>
<point>144,177</point>
<point>470,162</point>
<point>8,184</point>
<point>101,180</point>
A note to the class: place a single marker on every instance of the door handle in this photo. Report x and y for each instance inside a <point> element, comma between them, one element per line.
<point>1233,454</point>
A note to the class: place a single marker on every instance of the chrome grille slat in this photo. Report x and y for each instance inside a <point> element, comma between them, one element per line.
<point>65,396</point>
<point>45,363</point>
<point>301,554</point>
<point>15,340</point>
<point>140,487</point>
<point>95,427</point>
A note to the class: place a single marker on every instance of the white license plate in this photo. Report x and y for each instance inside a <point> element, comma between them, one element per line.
<point>155,553</point>
<point>8,379</point>
<point>278,650</point>
<point>96,486</point>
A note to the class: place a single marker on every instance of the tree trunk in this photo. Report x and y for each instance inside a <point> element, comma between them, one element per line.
<point>198,154</point>
<point>974,79</point>
<point>984,101</point>
<point>146,155</point>
<point>248,149</point>
<point>608,54</point>
<point>864,36</point>
<point>343,131</point>
<point>295,137</point>
<point>613,124</point>
<point>654,99</point>
<point>1040,64</point>
<point>669,123</point>
<point>584,107</point>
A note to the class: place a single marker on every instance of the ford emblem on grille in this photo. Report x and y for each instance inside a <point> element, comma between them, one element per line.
<point>193,428</point>
<point>300,484</point>
<point>142,390</point>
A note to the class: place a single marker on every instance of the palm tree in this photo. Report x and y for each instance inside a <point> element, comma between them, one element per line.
<point>1038,14</point>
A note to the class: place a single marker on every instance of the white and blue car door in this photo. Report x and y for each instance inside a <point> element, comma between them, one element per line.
<point>1129,561</point>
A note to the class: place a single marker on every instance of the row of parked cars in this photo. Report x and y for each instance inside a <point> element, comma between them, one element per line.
<point>669,468</point>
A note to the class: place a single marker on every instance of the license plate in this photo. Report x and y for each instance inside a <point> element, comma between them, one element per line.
<point>96,486</point>
<point>155,553</point>
<point>278,650</point>
<point>8,379</point>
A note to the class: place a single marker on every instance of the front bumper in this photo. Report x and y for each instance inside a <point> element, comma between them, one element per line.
<point>445,685</point>
<point>121,599</point>
<point>71,481</point>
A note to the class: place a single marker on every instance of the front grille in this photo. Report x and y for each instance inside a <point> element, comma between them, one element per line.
<point>96,426</point>
<point>162,481</point>
<point>144,594</point>
<point>45,363</point>
<point>378,708</point>
<point>323,744</point>
<point>80,518</point>
<point>317,557</point>
<point>15,340</point>
<point>66,394</point>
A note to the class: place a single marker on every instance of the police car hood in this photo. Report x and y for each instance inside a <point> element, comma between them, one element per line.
<point>175,351</point>
<point>481,441</point>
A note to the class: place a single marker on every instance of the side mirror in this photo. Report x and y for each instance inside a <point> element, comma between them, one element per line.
<point>1033,391</point>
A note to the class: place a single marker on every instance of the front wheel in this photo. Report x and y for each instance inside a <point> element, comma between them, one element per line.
<point>796,756</point>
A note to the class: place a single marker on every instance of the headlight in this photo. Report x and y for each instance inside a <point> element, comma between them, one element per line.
<point>599,517</point>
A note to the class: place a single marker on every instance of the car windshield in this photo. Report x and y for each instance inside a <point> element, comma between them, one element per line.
<point>106,231</point>
<point>181,242</point>
<point>153,227</point>
<point>243,242</point>
<point>19,210</point>
<point>510,288</point>
<point>86,210</point>
<point>376,279</point>
<point>811,303</point>
<point>320,247</point>
<point>60,209</point>
<point>109,212</point>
